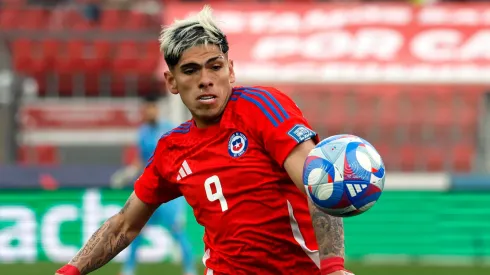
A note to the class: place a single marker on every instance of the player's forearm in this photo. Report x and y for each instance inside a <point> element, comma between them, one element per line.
<point>329,233</point>
<point>110,239</point>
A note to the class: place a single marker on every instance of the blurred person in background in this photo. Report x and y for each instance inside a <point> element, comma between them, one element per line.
<point>171,214</point>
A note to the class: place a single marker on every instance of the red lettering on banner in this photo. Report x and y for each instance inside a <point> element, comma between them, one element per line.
<point>382,44</point>
<point>381,41</point>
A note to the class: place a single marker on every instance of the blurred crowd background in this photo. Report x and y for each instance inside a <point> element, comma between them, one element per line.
<point>412,77</point>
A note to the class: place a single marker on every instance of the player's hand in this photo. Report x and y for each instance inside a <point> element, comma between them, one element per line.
<point>118,179</point>
<point>122,176</point>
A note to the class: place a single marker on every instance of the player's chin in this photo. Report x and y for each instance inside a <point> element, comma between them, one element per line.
<point>209,115</point>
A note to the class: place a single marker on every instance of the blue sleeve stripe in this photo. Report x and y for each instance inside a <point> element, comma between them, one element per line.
<point>184,127</point>
<point>149,161</point>
<point>235,95</point>
<point>262,108</point>
<point>186,124</point>
<point>182,131</point>
<point>269,95</point>
<point>267,102</point>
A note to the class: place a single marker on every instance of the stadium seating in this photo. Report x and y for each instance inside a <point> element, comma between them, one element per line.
<point>415,128</point>
<point>77,62</point>
<point>38,155</point>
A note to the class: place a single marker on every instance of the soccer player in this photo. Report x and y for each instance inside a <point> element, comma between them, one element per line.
<point>171,214</point>
<point>238,162</point>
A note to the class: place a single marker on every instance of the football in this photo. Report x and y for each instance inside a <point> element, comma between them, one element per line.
<point>344,175</point>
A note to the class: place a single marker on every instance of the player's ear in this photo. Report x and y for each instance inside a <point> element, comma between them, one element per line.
<point>231,71</point>
<point>171,82</point>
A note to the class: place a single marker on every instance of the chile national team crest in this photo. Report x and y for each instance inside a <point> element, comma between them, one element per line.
<point>237,145</point>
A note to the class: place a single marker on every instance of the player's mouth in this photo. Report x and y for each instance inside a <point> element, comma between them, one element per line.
<point>207,99</point>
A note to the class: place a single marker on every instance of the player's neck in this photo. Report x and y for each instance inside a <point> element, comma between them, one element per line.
<point>206,124</point>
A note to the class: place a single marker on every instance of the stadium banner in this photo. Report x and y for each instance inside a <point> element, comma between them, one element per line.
<point>320,42</point>
<point>52,225</point>
<point>38,225</point>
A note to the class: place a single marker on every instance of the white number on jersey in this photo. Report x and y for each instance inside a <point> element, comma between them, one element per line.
<point>218,195</point>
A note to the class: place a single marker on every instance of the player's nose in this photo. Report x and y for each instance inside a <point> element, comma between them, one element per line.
<point>205,80</point>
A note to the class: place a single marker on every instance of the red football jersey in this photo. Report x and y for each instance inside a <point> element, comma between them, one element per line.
<point>256,220</point>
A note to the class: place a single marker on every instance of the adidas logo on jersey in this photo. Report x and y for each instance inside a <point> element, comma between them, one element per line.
<point>184,170</point>
<point>355,189</point>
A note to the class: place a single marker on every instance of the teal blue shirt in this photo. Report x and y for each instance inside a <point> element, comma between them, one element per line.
<point>148,136</point>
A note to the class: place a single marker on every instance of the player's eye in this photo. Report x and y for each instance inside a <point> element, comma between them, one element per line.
<point>189,71</point>
<point>216,67</point>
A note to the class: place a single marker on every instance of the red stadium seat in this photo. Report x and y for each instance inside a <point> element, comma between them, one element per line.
<point>413,114</point>
<point>111,20</point>
<point>34,56</point>
<point>100,56</point>
<point>387,114</point>
<point>66,84</point>
<point>150,59</point>
<point>33,19</point>
<point>136,21</point>
<point>462,158</point>
<point>433,158</point>
<point>67,19</point>
<point>44,59</point>
<point>440,113</point>
<point>79,55</point>
<point>365,119</point>
<point>92,84</point>
<point>46,155</point>
<point>23,155</point>
<point>408,158</point>
<point>466,117</point>
<point>70,60</point>
<point>21,53</point>
<point>118,84</point>
<point>126,57</point>
<point>334,111</point>
<point>37,155</point>
<point>9,19</point>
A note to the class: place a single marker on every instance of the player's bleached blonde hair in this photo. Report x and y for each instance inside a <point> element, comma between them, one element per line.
<point>195,30</point>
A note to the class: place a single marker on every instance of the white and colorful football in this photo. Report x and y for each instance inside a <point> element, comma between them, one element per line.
<point>344,175</point>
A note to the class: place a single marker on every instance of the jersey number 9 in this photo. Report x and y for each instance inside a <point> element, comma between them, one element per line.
<point>218,195</point>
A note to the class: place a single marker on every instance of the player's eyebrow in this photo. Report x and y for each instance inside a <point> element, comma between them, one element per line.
<point>195,64</point>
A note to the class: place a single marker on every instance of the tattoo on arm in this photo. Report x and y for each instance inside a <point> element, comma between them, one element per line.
<point>128,203</point>
<point>329,232</point>
<point>105,244</point>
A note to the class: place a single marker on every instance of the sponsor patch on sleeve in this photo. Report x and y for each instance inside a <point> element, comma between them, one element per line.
<point>301,133</point>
